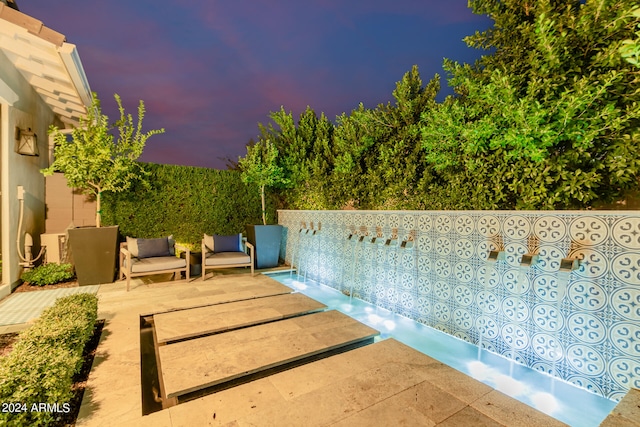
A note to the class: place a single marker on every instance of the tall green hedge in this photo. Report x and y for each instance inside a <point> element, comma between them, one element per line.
<point>186,201</point>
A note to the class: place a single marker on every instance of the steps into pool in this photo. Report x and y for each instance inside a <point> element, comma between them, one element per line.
<point>183,324</point>
<point>286,359</point>
<point>189,366</point>
<point>384,383</point>
<point>192,352</point>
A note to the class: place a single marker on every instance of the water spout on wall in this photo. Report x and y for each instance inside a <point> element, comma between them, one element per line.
<point>310,233</point>
<point>407,244</point>
<point>393,240</point>
<point>495,256</point>
<point>358,243</point>
<point>567,266</point>
<point>528,260</point>
<point>296,249</point>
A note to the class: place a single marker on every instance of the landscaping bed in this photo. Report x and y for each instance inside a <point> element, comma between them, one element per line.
<point>48,276</point>
<point>6,343</point>
<point>27,287</point>
<point>49,363</point>
<point>79,379</point>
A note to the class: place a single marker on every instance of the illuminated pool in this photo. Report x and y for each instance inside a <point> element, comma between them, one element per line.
<point>559,399</point>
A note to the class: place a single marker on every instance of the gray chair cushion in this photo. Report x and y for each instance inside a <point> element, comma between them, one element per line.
<point>231,243</point>
<point>132,246</point>
<point>148,248</point>
<point>227,258</point>
<point>208,242</point>
<point>146,265</point>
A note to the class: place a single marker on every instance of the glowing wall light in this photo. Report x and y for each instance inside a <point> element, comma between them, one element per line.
<point>26,142</point>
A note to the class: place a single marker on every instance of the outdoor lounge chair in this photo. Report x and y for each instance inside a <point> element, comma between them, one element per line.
<point>144,257</point>
<point>226,252</point>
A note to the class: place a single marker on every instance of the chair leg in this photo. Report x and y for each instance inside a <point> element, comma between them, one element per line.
<point>128,281</point>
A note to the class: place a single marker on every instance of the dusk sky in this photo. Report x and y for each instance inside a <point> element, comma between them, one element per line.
<point>209,71</point>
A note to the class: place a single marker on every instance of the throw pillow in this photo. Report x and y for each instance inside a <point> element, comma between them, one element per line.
<point>231,243</point>
<point>208,242</point>
<point>148,248</point>
<point>172,245</point>
<point>132,246</point>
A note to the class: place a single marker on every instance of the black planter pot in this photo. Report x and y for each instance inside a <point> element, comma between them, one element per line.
<point>195,263</point>
<point>94,251</point>
<point>266,241</point>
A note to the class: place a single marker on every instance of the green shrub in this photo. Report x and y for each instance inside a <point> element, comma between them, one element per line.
<point>74,319</point>
<point>40,368</point>
<point>186,201</point>
<point>48,274</point>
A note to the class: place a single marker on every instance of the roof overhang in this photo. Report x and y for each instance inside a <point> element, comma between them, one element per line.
<point>50,64</point>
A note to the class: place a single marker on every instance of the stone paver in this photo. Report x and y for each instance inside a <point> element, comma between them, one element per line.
<point>626,413</point>
<point>113,393</point>
<point>386,383</point>
<point>385,387</point>
<point>198,363</point>
<point>189,323</point>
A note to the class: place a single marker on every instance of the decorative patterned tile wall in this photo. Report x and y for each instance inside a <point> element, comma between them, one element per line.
<point>583,325</point>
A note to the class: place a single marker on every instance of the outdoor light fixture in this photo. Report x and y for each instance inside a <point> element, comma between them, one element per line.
<point>26,142</point>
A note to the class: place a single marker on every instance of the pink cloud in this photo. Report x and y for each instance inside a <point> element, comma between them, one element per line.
<point>210,71</point>
<point>437,11</point>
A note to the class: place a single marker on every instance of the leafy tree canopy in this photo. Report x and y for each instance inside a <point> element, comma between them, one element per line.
<point>92,160</point>
<point>546,119</point>
<point>260,166</point>
<point>555,102</point>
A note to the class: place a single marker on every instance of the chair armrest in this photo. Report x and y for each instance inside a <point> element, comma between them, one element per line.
<point>183,248</point>
<point>187,254</point>
<point>249,246</point>
<point>125,255</point>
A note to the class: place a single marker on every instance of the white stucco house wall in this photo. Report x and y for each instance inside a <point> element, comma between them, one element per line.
<point>42,82</point>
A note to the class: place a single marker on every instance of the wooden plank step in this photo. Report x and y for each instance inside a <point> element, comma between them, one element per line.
<point>192,365</point>
<point>182,324</point>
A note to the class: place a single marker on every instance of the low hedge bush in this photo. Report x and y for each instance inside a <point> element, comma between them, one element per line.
<point>48,274</point>
<point>39,370</point>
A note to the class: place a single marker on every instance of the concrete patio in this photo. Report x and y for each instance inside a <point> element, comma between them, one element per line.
<point>385,383</point>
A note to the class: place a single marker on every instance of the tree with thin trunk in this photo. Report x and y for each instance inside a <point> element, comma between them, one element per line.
<point>260,166</point>
<point>92,161</point>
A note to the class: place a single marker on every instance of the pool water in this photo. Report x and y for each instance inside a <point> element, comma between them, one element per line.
<point>559,399</point>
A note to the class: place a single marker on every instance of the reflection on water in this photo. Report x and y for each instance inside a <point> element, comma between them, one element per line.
<point>561,400</point>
